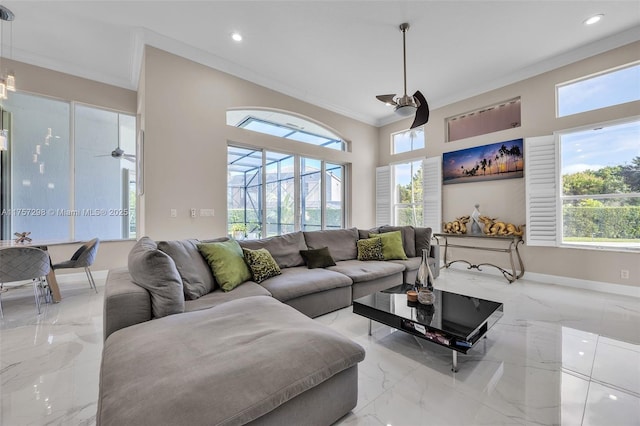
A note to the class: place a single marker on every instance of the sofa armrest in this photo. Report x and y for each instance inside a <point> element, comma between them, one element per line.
<point>125,303</point>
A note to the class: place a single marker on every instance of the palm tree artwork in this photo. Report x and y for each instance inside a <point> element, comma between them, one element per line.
<point>502,160</point>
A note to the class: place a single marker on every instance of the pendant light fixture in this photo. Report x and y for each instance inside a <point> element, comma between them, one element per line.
<point>7,83</point>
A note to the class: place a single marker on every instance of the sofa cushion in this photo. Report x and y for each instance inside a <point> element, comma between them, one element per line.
<point>197,279</point>
<point>156,272</point>
<point>300,281</point>
<point>285,249</point>
<point>341,242</point>
<point>261,264</point>
<point>370,249</point>
<point>363,234</point>
<point>317,258</point>
<point>423,240</point>
<point>227,263</point>
<point>391,245</point>
<point>227,365</point>
<point>410,264</point>
<point>408,238</point>
<point>360,271</point>
<point>218,297</point>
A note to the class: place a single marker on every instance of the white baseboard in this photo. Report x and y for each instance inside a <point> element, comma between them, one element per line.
<point>604,287</point>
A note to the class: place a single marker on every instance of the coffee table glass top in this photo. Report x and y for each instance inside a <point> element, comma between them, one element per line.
<point>454,314</point>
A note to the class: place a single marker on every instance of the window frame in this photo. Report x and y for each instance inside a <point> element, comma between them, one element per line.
<point>561,197</point>
<point>71,208</point>
<point>395,203</point>
<point>291,131</point>
<point>544,200</point>
<point>558,86</point>
<point>297,181</point>
<point>412,148</point>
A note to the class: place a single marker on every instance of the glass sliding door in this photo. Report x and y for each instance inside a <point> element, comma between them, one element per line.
<point>334,196</point>
<point>310,194</point>
<point>280,193</point>
<point>298,193</point>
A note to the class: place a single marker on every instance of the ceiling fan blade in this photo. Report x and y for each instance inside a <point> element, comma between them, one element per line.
<point>422,114</point>
<point>387,99</point>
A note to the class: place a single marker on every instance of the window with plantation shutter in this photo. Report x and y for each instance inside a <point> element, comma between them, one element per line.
<point>541,183</point>
<point>432,193</point>
<point>383,196</point>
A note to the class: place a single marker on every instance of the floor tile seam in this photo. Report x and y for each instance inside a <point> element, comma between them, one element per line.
<point>616,387</point>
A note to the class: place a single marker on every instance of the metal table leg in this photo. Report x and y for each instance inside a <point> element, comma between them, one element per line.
<point>454,368</point>
<point>370,321</point>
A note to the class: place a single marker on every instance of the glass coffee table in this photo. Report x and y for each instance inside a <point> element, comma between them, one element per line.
<point>455,321</point>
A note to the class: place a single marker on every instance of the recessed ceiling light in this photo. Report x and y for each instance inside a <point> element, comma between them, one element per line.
<point>594,19</point>
<point>236,36</point>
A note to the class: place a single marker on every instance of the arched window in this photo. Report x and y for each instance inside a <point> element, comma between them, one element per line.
<point>272,193</point>
<point>285,125</point>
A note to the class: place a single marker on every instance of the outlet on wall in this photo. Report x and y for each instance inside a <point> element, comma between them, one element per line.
<point>624,274</point>
<point>173,213</point>
<point>193,212</point>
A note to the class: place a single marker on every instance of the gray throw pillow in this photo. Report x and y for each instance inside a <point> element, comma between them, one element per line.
<point>197,279</point>
<point>423,240</point>
<point>285,248</point>
<point>155,271</point>
<point>341,242</point>
<point>408,238</point>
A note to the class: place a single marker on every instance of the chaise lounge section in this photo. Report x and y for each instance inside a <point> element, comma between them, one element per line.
<point>251,355</point>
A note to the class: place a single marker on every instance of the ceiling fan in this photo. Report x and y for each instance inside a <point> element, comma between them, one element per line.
<point>119,153</point>
<point>407,105</point>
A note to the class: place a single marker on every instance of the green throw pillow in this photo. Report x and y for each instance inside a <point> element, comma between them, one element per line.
<point>391,245</point>
<point>370,249</point>
<point>317,258</point>
<point>226,262</point>
<point>261,263</point>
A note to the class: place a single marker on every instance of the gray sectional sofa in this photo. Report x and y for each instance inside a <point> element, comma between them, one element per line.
<point>244,356</point>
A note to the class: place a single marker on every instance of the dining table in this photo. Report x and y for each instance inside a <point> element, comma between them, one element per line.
<point>42,245</point>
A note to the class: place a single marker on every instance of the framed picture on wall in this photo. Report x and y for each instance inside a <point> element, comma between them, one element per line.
<point>502,160</point>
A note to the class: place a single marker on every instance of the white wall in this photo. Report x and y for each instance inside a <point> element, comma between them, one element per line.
<point>505,199</point>
<point>184,106</point>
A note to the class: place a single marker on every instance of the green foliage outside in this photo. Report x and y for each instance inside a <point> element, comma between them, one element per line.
<point>333,219</point>
<point>602,222</point>
<point>610,219</point>
<point>409,216</point>
<point>410,193</point>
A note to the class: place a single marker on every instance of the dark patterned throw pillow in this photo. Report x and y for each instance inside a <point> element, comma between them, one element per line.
<point>261,264</point>
<point>370,249</point>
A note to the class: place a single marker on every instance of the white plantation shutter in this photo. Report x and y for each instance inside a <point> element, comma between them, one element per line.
<point>383,196</point>
<point>542,192</point>
<point>432,193</point>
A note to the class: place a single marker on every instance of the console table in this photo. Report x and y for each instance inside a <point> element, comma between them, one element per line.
<point>475,242</point>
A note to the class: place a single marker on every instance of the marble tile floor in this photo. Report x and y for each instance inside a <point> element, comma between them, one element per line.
<point>558,356</point>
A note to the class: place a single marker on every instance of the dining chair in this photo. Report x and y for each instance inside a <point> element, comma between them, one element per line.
<point>82,258</point>
<point>24,263</point>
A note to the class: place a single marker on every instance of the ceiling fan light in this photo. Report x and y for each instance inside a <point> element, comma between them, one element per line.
<point>405,110</point>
